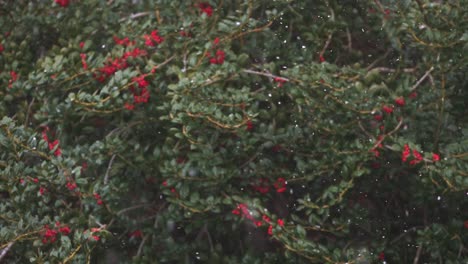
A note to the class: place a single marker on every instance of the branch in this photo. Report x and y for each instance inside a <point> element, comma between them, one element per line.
<point>388,134</point>
<point>131,208</point>
<point>418,254</point>
<point>350,41</point>
<point>422,79</point>
<point>385,69</point>
<point>133,16</point>
<point>28,113</point>
<point>327,43</point>
<point>140,248</point>
<point>266,74</point>
<point>378,60</point>
<point>5,250</point>
<point>106,177</point>
<point>72,255</point>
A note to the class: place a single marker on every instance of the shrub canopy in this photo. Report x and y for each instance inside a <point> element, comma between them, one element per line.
<point>233,131</point>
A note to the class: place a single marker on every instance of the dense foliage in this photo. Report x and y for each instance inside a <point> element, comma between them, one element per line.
<point>233,131</point>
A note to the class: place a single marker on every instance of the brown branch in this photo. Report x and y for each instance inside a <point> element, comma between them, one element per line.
<point>385,69</point>
<point>350,40</point>
<point>106,177</point>
<point>422,79</point>
<point>327,43</point>
<point>388,134</point>
<point>418,254</point>
<point>140,248</point>
<point>28,113</point>
<point>5,250</point>
<point>18,238</point>
<point>72,255</point>
<point>461,155</point>
<point>378,60</point>
<point>266,74</point>
<point>133,16</point>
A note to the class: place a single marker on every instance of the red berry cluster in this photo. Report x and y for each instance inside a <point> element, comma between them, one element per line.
<point>280,81</point>
<point>71,186</point>
<point>417,157</point>
<point>50,235</point>
<point>124,42</point>
<point>98,198</point>
<point>219,56</point>
<point>136,234</point>
<point>243,211</point>
<point>140,94</point>
<point>93,231</point>
<point>63,3</point>
<point>249,126</point>
<point>113,65</point>
<point>153,39</point>
<point>83,61</point>
<point>173,190</point>
<point>13,78</point>
<point>263,185</point>
<point>52,144</point>
<point>206,8</point>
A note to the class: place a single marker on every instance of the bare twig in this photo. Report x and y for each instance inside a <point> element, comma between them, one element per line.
<point>418,254</point>
<point>132,208</point>
<point>164,62</point>
<point>133,16</point>
<point>205,231</point>
<point>327,43</point>
<point>378,60</point>
<point>26,119</point>
<point>364,130</point>
<point>460,251</point>
<point>140,248</point>
<point>380,6</point>
<point>388,134</point>
<point>106,177</point>
<point>385,69</point>
<point>412,229</point>
<point>422,78</point>
<point>5,250</point>
<point>350,41</point>
<point>266,74</point>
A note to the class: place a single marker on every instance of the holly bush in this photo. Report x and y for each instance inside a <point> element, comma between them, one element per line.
<point>233,131</point>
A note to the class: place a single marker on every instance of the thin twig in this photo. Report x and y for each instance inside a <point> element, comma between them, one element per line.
<point>364,130</point>
<point>418,254</point>
<point>380,6</point>
<point>266,74</point>
<point>28,112</point>
<point>164,62</point>
<point>378,60</point>
<point>131,208</point>
<point>133,16</point>
<point>327,43</point>
<point>460,250</point>
<point>388,134</point>
<point>106,177</point>
<point>5,250</point>
<point>385,69</point>
<point>404,234</point>
<point>422,79</point>
<point>204,230</point>
<point>72,255</point>
<point>350,42</point>
<point>140,248</point>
